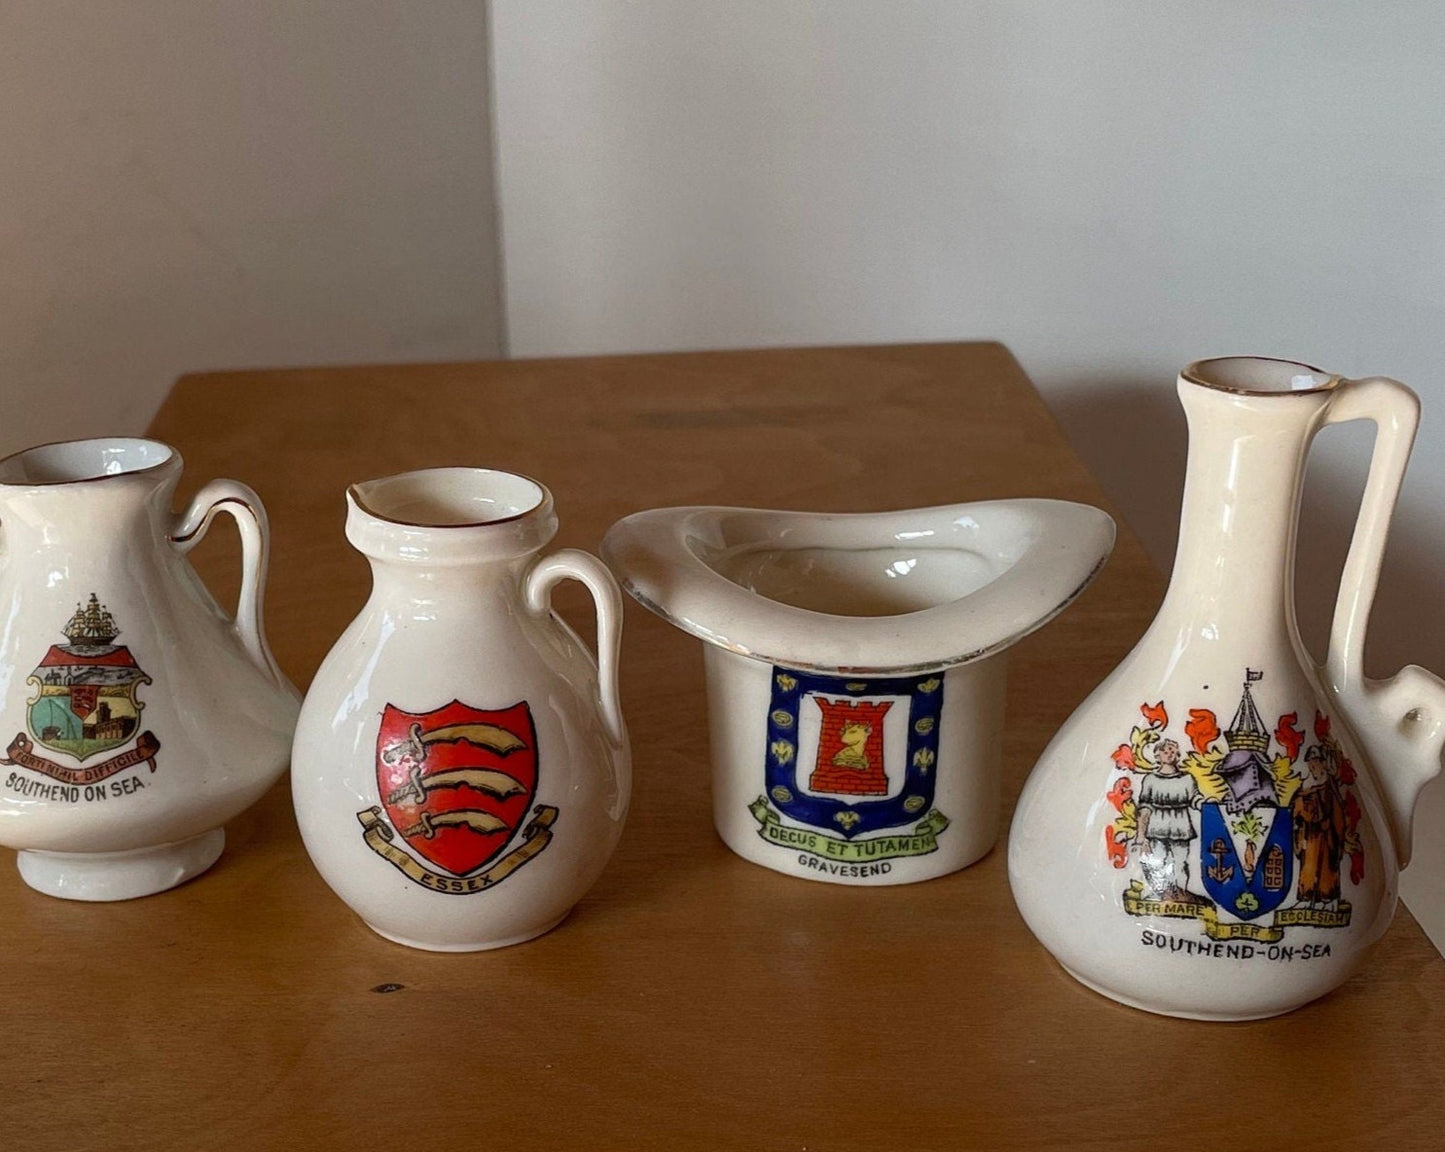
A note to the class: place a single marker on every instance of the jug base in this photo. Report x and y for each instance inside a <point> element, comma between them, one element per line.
<point>1218,1017</point>
<point>100,876</point>
<point>482,946</point>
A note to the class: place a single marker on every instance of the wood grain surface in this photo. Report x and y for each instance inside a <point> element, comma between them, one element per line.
<point>692,1000</point>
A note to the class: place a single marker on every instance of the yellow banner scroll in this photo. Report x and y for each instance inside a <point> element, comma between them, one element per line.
<point>535,837</point>
<point>1136,903</point>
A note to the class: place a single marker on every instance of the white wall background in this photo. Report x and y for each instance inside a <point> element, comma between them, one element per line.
<point>1113,189</point>
<point>189,186</point>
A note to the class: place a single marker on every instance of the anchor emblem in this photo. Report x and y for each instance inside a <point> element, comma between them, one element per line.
<point>1219,871</point>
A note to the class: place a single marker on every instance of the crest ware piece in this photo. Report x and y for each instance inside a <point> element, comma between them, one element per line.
<point>85,704</point>
<point>1206,837</point>
<point>461,770</point>
<point>855,667</point>
<point>456,785</point>
<point>149,717</point>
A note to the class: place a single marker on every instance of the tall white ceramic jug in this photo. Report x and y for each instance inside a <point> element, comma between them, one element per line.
<point>461,770</point>
<point>136,716</point>
<point>1218,830</point>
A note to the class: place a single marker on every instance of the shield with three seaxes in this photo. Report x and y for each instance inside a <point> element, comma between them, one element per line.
<point>458,781</point>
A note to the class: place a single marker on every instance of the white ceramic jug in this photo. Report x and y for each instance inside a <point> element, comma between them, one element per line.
<point>1217,831</point>
<point>137,716</point>
<point>461,770</point>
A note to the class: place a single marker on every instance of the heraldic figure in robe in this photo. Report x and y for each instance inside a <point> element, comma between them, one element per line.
<point>1318,814</point>
<point>1166,800</point>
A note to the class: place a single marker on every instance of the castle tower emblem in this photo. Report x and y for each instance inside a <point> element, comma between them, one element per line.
<point>1246,768</point>
<point>849,766</point>
<point>1247,731</point>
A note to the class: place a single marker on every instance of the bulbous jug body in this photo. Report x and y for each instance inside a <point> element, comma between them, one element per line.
<point>1207,836</point>
<point>461,772</point>
<point>138,717</point>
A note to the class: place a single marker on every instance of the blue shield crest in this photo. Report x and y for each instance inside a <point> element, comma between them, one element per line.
<point>1225,843</point>
<point>853,755</point>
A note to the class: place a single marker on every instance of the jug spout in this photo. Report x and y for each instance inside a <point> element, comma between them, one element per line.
<point>1400,722</point>
<point>80,492</point>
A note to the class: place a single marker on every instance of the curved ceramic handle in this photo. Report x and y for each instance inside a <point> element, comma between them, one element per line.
<point>574,564</point>
<point>1400,720</point>
<point>245,507</point>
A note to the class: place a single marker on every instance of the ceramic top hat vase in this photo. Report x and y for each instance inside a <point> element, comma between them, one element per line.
<point>856,666</point>
<point>1217,831</point>
<point>137,716</point>
<point>461,770</point>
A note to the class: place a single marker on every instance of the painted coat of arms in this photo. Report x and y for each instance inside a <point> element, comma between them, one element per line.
<point>849,766</point>
<point>456,784</point>
<point>1238,832</point>
<point>86,704</point>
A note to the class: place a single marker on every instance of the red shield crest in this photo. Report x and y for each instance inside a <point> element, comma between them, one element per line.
<point>850,748</point>
<point>458,781</point>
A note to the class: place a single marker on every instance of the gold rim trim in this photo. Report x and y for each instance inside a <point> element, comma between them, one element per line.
<point>173,457</point>
<point>1194,374</point>
<point>544,502</point>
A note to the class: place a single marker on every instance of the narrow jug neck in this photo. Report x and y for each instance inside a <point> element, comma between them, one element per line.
<point>450,544</point>
<point>483,585</point>
<point>1233,575</point>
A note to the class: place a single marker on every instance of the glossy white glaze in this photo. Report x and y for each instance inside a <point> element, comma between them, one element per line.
<point>459,618</point>
<point>855,667</point>
<point>1268,751</point>
<point>94,818</point>
<point>102,876</point>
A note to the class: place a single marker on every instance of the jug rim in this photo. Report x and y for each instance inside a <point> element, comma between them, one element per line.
<point>1205,373</point>
<point>1042,555</point>
<point>360,494</point>
<point>168,457</point>
<point>436,515</point>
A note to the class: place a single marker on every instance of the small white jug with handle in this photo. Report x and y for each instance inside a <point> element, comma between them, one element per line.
<point>1217,832</point>
<point>136,717</point>
<point>461,770</point>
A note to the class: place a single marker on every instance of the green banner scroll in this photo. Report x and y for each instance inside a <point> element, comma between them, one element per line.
<point>921,841</point>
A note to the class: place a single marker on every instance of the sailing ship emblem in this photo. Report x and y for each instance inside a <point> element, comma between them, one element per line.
<point>456,784</point>
<point>86,702</point>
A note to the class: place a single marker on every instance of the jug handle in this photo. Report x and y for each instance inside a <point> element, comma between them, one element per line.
<point>1401,721</point>
<point>574,564</point>
<point>245,507</point>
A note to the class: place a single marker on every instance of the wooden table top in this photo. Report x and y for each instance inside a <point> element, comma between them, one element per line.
<point>692,1000</point>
